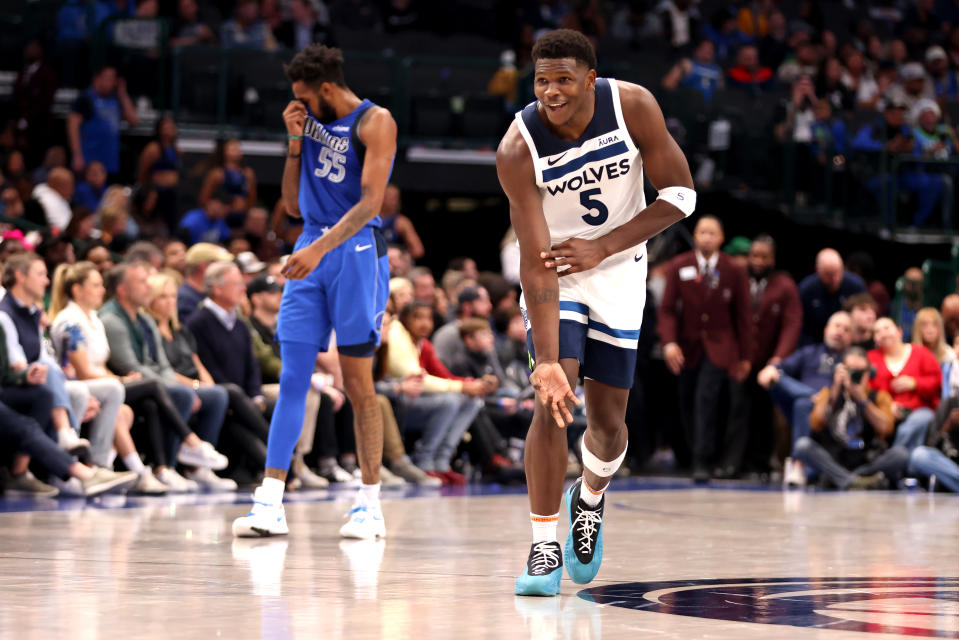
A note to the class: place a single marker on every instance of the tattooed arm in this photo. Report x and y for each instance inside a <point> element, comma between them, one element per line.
<point>378,133</point>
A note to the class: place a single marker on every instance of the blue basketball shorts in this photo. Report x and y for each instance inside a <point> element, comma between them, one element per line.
<point>346,293</point>
<point>600,317</point>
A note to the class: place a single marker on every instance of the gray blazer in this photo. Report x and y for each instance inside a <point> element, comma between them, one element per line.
<point>123,357</point>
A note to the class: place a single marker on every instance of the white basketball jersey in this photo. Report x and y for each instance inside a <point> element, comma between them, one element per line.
<point>591,185</point>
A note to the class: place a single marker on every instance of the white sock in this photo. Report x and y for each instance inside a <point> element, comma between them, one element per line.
<point>590,495</point>
<point>371,492</point>
<point>133,463</point>
<point>544,527</point>
<point>273,490</point>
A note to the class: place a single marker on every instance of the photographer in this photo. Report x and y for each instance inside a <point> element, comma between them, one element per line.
<point>850,424</point>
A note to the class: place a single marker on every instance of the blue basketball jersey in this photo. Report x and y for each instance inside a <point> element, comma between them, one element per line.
<point>331,168</point>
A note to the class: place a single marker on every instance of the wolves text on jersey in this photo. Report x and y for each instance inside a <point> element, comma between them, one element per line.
<point>591,175</point>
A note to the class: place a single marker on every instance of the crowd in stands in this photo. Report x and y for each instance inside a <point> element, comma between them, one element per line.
<point>138,318</point>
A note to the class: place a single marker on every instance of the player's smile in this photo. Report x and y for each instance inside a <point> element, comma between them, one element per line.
<point>562,87</point>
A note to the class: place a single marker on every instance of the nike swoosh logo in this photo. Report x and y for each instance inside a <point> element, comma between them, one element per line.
<point>639,257</point>
<point>552,162</point>
<point>362,247</point>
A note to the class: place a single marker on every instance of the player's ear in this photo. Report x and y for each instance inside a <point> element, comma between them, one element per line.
<point>591,79</point>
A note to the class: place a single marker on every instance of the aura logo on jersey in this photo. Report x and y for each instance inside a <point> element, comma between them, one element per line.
<point>924,607</point>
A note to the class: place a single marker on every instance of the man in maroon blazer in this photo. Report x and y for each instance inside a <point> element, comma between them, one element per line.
<point>706,328</point>
<point>777,323</point>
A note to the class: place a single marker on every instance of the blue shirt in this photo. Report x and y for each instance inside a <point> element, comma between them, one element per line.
<point>86,196</point>
<point>203,229</point>
<point>818,303</point>
<point>813,365</point>
<point>100,131</point>
<point>331,169</point>
<point>828,137</point>
<point>704,77</point>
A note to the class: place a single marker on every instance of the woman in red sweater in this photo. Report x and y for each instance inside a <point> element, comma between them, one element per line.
<point>911,374</point>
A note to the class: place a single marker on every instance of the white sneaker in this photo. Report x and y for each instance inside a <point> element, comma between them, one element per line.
<point>794,474</point>
<point>365,521</point>
<point>203,455</point>
<point>390,480</point>
<point>69,441</point>
<point>209,481</point>
<point>340,476</point>
<point>175,483</point>
<point>68,488</point>
<point>264,519</point>
<point>306,476</point>
<point>149,485</point>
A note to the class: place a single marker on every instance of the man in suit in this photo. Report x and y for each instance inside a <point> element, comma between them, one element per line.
<point>823,293</point>
<point>777,321</point>
<point>706,329</point>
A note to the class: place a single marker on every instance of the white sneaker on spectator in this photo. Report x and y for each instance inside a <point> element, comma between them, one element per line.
<point>175,483</point>
<point>68,488</point>
<point>390,480</point>
<point>209,481</point>
<point>405,469</point>
<point>365,521</point>
<point>264,519</point>
<point>203,455</point>
<point>336,474</point>
<point>794,474</point>
<point>306,476</point>
<point>26,485</point>
<point>69,441</point>
<point>104,480</point>
<point>148,484</point>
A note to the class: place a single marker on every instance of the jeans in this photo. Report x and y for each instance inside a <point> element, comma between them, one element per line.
<point>182,397</point>
<point>911,432</point>
<point>438,416</point>
<point>927,461</point>
<point>794,398</point>
<point>26,435</point>
<point>110,393</point>
<point>892,463</point>
<point>56,383</point>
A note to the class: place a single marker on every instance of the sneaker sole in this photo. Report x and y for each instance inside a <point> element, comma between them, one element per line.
<point>243,531</point>
<point>16,493</point>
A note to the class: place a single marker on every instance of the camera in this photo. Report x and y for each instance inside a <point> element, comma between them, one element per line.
<point>855,375</point>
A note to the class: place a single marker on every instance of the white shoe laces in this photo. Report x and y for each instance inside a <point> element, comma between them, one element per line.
<point>587,523</point>
<point>545,558</point>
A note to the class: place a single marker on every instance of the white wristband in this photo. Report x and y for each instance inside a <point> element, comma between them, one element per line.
<point>682,198</point>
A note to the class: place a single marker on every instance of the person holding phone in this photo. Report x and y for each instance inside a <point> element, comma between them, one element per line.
<point>850,426</point>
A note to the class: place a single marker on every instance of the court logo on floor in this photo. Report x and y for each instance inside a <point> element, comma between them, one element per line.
<point>921,607</point>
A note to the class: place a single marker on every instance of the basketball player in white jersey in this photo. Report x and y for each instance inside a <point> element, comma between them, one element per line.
<point>572,165</point>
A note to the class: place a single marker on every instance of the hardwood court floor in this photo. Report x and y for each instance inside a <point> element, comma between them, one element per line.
<point>722,563</point>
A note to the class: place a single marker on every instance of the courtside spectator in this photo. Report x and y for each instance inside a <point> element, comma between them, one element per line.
<point>824,292</point>
<point>197,259</point>
<point>863,312</point>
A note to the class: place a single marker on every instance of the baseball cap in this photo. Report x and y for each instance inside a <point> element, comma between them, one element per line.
<point>207,252</point>
<point>263,283</point>
<point>738,246</point>
<point>912,71</point>
<point>249,263</point>
<point>935,52</point>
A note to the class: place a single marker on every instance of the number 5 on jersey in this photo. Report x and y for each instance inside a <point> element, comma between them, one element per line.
<point>330,160</point>
<point>592,204</point>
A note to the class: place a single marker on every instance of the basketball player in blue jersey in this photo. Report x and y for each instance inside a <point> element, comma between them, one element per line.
<point>338,163</point>
<point>571,165</point>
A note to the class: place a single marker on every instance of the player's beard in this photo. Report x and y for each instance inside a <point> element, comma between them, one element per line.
<point>325,113</point>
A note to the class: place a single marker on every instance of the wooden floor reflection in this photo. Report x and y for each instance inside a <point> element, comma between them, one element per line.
<point>168,568</point>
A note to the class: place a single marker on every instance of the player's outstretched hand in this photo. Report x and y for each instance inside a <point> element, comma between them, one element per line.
<point>576,253</point>
<point>552,389</point>
<point>294,117</point>
<point>302,262</point>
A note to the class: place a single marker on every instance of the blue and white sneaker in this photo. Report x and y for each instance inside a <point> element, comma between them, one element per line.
<point>264,519</point>
<point>544,570</point>
<point>583,552</point>
<point>365,521</point>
